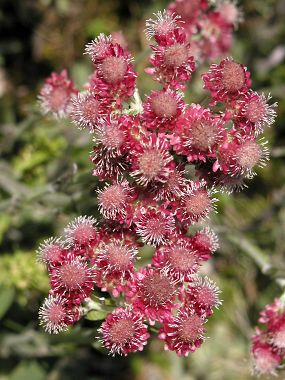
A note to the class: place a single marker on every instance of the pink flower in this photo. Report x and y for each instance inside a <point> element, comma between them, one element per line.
<point>151,160</point>
<point>183,333</point>
<point>161,110</point>
<point>115,201</point>
<point>73,279</point>
<point>196,204</point>
<point>264,360</point>
<point>173,189</point>
<point>87,109</point>
<point>56,95</point>
<point>55,314</point>
<point>123,332</point>
<point>254,114</point>
<point>81,232</point>
<point>154,225</point>
<point>240,156</point>
<point>152,294</point>
<point>203,295</point>
<point>199,134</point>
<point>52,251</point>
<point>227,81</point>
<point>114,77</point>
<point>112,141</point>
<point>205,242</point>
<point>179,260</point>
<point>115,263</point>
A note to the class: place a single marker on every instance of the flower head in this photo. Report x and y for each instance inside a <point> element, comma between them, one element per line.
<point>183,333</point>
<point>152,294</point>
<point>52,251</point>
<point>203,295</point>
<point>226,81</point>
<point>114,201</point>
<point>179,260</point>
<point>55,315</point>
<point>154,225</point>
<point>151,160</point>
<point>81,232</point>
<point>56,95</point>
<point>73,279</point>
<point>123,332</point>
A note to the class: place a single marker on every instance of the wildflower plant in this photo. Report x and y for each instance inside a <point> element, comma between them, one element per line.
<point>163,162</point>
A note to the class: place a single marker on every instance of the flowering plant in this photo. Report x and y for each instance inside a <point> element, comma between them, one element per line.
<point>162,162</point>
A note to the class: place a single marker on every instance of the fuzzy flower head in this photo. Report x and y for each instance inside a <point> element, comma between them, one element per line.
<point>87,108</point>
<point>98,48</point>
<point>196,204</point>
<point>112,145</point>
<point>114,201</point>
<point>73,279</point>
<point>81,232</point>
<point>161,110</point>
<point>54,315</point>
<point>51,251</point>
<point>230,12</point>
<point>172,189</point>
<point>115,264</point>
<point>123,332</point>
<point>152,161</point>
<point>227,81</point>
<point>173,63</point>
<point>206,242</point>
<point>154,225</point>
<point>161,26</point>
<point>241,156</point>
<point>183,333</point>
<point>265,361</point>
<point>200,134</point>
<point>114,77</point>
<point>178,261</point>
<point>56,95</point>
<point>152,294</point>
<point>255,113</point>
<point>203,295</point>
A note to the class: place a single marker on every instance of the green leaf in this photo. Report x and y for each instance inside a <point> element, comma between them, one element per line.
<point>28,370</point>
<point>96,315</point>
<point>6,299</point>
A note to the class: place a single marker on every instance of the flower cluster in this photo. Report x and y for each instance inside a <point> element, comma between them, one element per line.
<point>268,343</point>
<point>209,25</point>
<point>162,162</point>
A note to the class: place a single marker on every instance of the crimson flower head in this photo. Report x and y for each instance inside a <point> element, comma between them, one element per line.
<point>115,201</point>
<point>81,232</point>
<point>55,314</point>
<point>203,295</point>
<point>183,333</point>
<point>151,160</point>
<point>114,263</point>
<point>152,294</point>
<point>73,279</point>
<point>154,225</point>
<point>199,134</point>
<point>123,332</point>
<point>56,95</point>
<point>87,109</point>
<point>227,81</point>
<point>254,113</point>
<point>114,77</point>
<point>196,203</point>
<point>179,260</point>
<point>161,110</point>
<point>51,251</point>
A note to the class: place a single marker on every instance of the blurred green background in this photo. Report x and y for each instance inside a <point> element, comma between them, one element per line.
<point>45,181</point>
